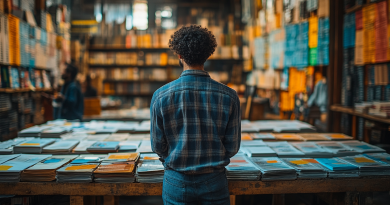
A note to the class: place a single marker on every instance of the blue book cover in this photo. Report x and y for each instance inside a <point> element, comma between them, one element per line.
<point>336,164</point>
<point>104,145</point>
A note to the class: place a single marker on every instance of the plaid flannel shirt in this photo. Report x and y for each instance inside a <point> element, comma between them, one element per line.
<point>195,124</point>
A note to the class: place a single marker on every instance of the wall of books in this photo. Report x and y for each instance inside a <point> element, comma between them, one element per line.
<point>289,45</point>
<point>131,64</point>
<point>366,68</point>
<point>32,50</point>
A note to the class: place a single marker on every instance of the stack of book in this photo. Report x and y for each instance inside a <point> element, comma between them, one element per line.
<point>288,137</point>
<point>34,146</point>
<point>362,147</point>
<point>263,151</point>
<point>89,158</point>
<point>284,149</point>
<point>129,146</point>
<point>241,168</point>
<point>312,150</point>
<point>82,147</point>
<point>337,149</point>
<point>305,168</point>
<point>145,147</point>
<point>382,157</point>
<point>103,147</point>
<point>54,132</point>
<point>61,147</point>
<point>4,158</point>
<point>31,132</point>
<point>10,170</point>
<point>314,137</point>
<point>97,137</point>
<point>115,173</point>
<point>337,136</point>
<point>367,166</point>
<point>45,171</point>
<point>274,169</point>
<point>7,147</point>
<point>263,136</point>
<point>150,169</point>
<point>74,173</point>
<point>253,143</point>
<point>119,158</point>
<point>339,168</point>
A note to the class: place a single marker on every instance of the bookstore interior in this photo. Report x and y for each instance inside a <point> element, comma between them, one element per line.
<point>312,77</point>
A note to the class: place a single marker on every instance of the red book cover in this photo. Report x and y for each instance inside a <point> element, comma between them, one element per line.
<point>359,19</point>
<point>381,40</point>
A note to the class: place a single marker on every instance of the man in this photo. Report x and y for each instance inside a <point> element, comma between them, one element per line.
<point>195,125</point>
<point>70,100</point>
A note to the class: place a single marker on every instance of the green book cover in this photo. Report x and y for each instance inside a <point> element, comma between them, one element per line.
<point>313,56</point>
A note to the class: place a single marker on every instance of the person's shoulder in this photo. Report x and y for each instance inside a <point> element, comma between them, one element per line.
<point>165,89</point>
<point>224,89</point>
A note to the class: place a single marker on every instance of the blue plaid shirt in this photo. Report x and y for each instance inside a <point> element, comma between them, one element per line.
<point>195,124</point>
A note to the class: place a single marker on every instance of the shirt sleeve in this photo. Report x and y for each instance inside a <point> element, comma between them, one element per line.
<point>232,138</point>
<point>157,137</point>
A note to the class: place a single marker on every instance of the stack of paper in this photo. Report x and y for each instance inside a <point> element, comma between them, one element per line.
<point>367,166</point>
<point>129,158</point>
<point>312,150</point>
<point>129,146</point>
<point>305,168</point>
<point>89,158</point>
<point>10,170</point>
<point>274,169</point>
<point>103,147</point>
<point>115,173</point>
<point>60,147</point>
<point>150,169</point>
<point>336,136</point>
<point>145,147</point>
<point>4,158</point>
<point>54,132</point>
<point>83,146</point>
<point>339,168</point>
<point>241,168</point>
<point>73,173</point>
<point>34,146</point>
<point>284,149</point>
<point>338,149</point>
<point>383,157</point>
<point>288,137</point>
<point>262,151</point>
<point>252,143</point>
<point>362,147</point>
<point>263,136</point>
<point>45,171</point>
<point>7,147</point>
<point>314,137</point>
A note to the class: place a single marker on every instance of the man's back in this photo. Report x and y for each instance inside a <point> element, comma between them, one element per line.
<point>199,119</point>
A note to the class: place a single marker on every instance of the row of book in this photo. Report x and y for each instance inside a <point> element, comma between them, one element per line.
<point>16,78</point>
<point>135,74</point>
<point>366,32</point>
<point>132,58</point>
<point>146,168</point>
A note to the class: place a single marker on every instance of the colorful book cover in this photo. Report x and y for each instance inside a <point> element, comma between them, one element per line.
<point>336,164</point>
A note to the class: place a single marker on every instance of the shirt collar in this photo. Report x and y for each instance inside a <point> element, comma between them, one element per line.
<point>195,72</point>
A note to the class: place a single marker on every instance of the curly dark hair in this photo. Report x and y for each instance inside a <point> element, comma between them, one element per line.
<point>194,43</point>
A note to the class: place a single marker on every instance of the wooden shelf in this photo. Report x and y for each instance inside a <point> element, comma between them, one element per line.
<point>130,66</point>
<point>21,90</point>
<point>351,111</point>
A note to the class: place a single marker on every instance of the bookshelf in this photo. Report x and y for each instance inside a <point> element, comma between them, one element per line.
<point>128,66</point>
<point>351,111</point>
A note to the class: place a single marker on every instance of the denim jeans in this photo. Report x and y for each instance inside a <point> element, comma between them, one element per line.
<point>205,189</point>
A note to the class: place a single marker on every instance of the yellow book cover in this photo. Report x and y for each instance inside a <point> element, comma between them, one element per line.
<point>140,41</point>
<point>147,40</point>
<point>163,59</point>
<point>115,168</point>
<point>313,32</point>
<point>369,33</point>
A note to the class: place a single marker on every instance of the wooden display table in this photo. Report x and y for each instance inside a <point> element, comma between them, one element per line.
<point>335,191</point>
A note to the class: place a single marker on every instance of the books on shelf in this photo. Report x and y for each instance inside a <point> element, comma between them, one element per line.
<point>45,171</point>
<point>274,169</point>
